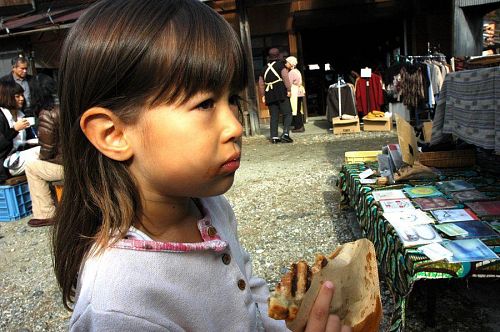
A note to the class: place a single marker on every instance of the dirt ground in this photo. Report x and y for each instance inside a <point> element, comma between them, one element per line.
<point>286,202</point>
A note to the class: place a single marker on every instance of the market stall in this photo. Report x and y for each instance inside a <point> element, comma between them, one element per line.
<point>402,266</point>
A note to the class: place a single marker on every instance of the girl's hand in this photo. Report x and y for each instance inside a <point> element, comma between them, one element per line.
<point>320,319</point>
<point>21,124</point>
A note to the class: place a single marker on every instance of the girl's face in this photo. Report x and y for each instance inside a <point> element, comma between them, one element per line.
<point>19,100</point>
<point>189,150</point>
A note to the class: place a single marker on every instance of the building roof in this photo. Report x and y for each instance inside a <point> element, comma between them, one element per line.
<point>41,20</point>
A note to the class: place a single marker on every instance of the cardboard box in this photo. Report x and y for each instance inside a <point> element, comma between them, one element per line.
<point>377,124</point>
<point>345,126</point>
<point>427,130</point>
<point>352,157</point>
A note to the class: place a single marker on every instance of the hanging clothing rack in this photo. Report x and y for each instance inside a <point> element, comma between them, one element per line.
<point>422,57</point>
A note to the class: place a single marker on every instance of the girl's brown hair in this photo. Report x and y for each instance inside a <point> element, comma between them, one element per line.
<point>127,56</point>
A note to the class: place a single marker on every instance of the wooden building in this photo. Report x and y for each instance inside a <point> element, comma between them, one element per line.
<point>335,36</point>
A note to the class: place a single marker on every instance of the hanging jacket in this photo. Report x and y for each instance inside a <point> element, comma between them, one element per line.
<point>369,97</point>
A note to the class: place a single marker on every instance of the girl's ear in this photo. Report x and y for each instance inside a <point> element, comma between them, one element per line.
<point>106,132</point>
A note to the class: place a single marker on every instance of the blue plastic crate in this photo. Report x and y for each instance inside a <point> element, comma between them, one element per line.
<point>15,202</point>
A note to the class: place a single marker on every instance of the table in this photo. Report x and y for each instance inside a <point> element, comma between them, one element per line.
<point>403,266</point>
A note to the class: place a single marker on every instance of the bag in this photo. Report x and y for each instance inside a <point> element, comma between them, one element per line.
<point>16,162</point>
<point>302,91</point>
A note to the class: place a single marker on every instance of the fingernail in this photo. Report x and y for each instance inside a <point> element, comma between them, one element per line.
<point>328,284</point>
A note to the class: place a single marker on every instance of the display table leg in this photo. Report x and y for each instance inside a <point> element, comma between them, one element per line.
<point>430,315</point>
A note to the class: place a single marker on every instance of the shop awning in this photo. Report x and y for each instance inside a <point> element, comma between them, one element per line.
<point>39,21</point>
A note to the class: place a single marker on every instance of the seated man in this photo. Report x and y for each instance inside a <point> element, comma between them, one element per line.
<point>49,168</point>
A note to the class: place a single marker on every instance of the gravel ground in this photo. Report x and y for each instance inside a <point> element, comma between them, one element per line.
<point>287,205</point>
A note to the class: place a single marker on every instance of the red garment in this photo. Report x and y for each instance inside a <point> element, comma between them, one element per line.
<point>366,102</point>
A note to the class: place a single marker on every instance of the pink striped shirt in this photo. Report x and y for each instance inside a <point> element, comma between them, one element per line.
<point>137,240</point>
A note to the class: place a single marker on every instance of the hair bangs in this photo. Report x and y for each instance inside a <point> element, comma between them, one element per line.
<point>203,57</point>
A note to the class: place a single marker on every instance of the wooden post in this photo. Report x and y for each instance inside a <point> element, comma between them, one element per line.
<point>251,91</point>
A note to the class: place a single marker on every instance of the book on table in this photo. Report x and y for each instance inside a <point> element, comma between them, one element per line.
<point>495,224</point>
<point>452,215</point>
<point>414,235</point>
<point>468,250</point>
<point>454,185</point>
<point>486,209</point>
<point>392,205</point>
<point>468,229</point>
<point>422,191</point>
<point>433,203</point>
<point>408,216</point>
<point>472,195</point>
<point>388,194</point>
<point>435,251</point>
<point>451,229</point>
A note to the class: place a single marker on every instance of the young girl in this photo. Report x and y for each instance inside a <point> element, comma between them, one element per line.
<point>143,241</point>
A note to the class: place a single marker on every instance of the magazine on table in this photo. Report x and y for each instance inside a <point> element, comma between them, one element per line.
<point>452,215</point>
<point>472,195</point>
<point>413,235</point>
<point>422,191</point>
<point>388,194</point>
<point>454,185</point>
<point>469,250</point>
<point>433,203</point>
<point>393,205</point>
<point>409,216</point>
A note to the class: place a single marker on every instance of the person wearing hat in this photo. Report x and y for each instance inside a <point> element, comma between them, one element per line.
<point>297,94</point>
<point>274,86</point>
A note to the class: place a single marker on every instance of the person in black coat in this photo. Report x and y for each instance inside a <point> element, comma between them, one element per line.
<point>274,87</point>
<point>19,75</point>
<point>11,99</point>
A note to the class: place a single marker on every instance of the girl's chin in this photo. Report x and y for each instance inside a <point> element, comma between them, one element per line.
<point>222,187</point>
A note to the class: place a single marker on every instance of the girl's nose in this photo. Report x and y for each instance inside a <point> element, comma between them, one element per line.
<point>232,125</point>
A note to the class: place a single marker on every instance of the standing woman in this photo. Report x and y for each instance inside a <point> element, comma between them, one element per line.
<point>297,94</point>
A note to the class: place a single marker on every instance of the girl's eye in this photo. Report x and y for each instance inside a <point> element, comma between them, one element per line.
<point>206,105</point>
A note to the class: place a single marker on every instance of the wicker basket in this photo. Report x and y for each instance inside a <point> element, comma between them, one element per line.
<point>453,158</point>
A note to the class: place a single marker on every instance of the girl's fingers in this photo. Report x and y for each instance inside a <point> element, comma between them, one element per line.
<point>346,329</point>
<point>320,311</point>
<point>333,324</point>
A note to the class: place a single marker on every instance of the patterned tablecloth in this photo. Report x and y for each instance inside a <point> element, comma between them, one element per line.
<point>403,266</point>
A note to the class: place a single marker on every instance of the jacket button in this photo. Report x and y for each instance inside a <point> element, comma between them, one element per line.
<point>242,284</point>
<point>212,231</point>
<point>226,259</point>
